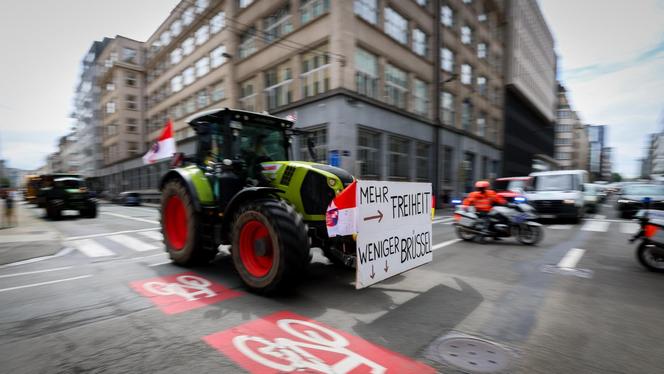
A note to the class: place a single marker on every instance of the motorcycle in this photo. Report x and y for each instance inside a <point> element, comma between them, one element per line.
<point>515,219</point>
<point>650,252</point>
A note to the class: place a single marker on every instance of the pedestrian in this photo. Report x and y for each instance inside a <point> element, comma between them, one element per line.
<point>9,209</point>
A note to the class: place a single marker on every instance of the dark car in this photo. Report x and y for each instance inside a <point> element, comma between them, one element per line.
<point>68,193</point>
<point>129,198</point>
<point>631,198</point>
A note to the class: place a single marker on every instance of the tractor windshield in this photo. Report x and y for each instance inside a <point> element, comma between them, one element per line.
<point>260,143</point>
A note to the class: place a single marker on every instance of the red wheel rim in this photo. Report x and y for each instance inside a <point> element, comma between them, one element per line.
<point>175,223</point>
<point>256,250</point>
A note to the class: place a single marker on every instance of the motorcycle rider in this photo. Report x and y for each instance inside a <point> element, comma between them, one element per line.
<point>483,199</point>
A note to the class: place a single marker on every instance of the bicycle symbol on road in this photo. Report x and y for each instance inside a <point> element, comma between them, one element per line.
<point>189,287</point>
<point>286,355</point>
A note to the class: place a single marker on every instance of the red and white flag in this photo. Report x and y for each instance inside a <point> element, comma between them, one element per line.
<point>164,147</point>
<point>340,218</point>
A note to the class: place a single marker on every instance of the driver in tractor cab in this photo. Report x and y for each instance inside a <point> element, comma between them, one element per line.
<point>483,199</point>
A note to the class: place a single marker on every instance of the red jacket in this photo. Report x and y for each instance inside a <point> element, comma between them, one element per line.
<point>484,201</point>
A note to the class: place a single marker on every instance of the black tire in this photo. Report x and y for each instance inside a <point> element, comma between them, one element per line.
<point>180,226</point>
<point>647,259</point>
<point>464,235</point>
<point>284,253</point>
<point>536,235</point>
<point>53,211</point>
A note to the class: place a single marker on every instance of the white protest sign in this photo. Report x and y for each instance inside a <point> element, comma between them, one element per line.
<point>393,229</point>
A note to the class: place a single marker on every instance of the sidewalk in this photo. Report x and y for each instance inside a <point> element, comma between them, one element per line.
<point>32,237</point>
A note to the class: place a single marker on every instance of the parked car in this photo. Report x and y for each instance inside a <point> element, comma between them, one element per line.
<point>129,198</point>
<point>558,194</point>
<point>630,199</point>
<point>511,187</point>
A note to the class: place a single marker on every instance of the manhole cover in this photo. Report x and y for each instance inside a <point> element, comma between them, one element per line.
<point>474,355</point>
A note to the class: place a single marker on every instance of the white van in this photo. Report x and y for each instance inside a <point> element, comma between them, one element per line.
<point>558,194</point>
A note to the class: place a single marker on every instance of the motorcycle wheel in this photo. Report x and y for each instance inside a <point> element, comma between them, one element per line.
<point>648,259</point>
<point>464,235</point>
<point>530,235</point>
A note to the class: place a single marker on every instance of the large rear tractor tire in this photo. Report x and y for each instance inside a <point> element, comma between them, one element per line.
<point>180,226</point>
<point>270,246</point>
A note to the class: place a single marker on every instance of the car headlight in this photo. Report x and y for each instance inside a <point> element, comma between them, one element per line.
<point>568,201</point>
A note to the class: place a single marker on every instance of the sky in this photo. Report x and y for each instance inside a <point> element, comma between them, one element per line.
<point>611,59</point>
<point>42,45</point>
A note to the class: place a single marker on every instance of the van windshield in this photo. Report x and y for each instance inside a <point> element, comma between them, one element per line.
<point>556,182</point>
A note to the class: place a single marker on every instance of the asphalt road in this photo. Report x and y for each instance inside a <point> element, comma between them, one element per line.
<point>512,309</point>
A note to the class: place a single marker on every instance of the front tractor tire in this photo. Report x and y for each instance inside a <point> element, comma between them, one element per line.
<point>180,226</point>
<point>270,246</point>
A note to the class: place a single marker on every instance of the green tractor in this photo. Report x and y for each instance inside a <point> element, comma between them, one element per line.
<point>240,190</point>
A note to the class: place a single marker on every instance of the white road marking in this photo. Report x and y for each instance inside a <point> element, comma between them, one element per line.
<point>629,227</point>
<point>154,235</point>
<point>442,220</point>
<point>109,233</point>
<point>445,244</point>
<point>161,263</point>
<point>34,272</point>
<point>571,258</point>
<point>559,227</point>
<point>91,248</point>
<point>597,226</point>
<point>599,216</point>
<point>44,283</point>
<point>133,243</point>
<point>606,205</point>
<point>130,217</point>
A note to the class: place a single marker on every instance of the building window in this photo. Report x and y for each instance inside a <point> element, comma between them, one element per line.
<point>446,16</point>
<point>419,42</point>
<point>368,154</point>
<point>421,97</point>
<point>481,85</point>
<point>188,76</point>
<point>481,50</point>
<point>320,147</point>
<point>190,105</point>
<point>217,56</point>
<point>188,16</point>
<point>202,34</point>
<point>176,56</point>
<point>396,86</point>
<point>310,9</point>
<point>422,157</point>
<point>111,129</point>
<point>447,60</point>
<point>132,147</point>
<point>129,55</point>
<point>466,114</point>
<point>466,35</point>
<point>278,86</point>
<point>218,92</point>
<point>202,66</point>
<point>176,28</point>
<point>217,22</point>
<point>466,74</point>
<point>201,5</point>
<point>315,73</point>
<point>110,107</point>
<point>447,108</point>
<point>447,165</point>
<point>188,46</point>
<point>421,2</point>
<point>277,24</point>
<point>398,158</point>
<point>366,73</point>
<point>202,99</point>
<point>110,86</point>
<point>131,102</point>
<point>177,110</point>
<point>165,38</point>
<point>248,42</point>
<point>130,79</point>
<point>481,125</point>
<point>396,26</point>
<point>482,17</point>
<point>366,9</point>
<point>176,83</point>
<point>247,96</point>
<point>245,3</point>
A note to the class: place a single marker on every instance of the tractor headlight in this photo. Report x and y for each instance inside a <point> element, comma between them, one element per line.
<point>331,182</point>
<point>568,201</point>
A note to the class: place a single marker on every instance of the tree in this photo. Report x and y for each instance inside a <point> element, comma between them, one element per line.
<point>4,182</point>
<point>615,177</point>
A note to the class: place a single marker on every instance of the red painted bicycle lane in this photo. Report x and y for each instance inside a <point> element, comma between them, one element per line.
<point>285,342</point>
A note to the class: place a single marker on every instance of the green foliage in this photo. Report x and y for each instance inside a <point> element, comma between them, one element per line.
<point>615,177</point>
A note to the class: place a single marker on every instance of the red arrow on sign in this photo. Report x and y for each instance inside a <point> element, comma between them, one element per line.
<point>379,217</point>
